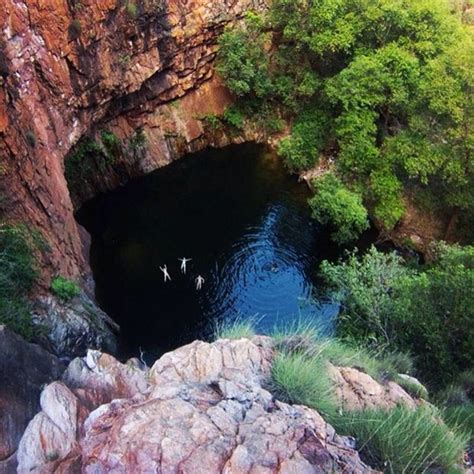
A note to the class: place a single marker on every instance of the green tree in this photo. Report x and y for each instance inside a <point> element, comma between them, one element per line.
<point>396,77</point>
<point>427,311</point>
<point>334,204</point>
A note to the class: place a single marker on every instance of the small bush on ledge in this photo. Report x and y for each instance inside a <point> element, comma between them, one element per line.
<point>64,289</point>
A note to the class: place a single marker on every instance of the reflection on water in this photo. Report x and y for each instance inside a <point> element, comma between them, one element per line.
<point>241,218</point>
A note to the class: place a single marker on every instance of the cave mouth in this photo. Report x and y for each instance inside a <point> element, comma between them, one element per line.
<point>245,223</point>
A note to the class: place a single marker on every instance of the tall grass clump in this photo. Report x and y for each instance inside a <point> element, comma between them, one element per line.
<point>305,335</point>
<point>404,440</point>
<point>237,329</point>
<point>302,379</point>
<point>461,417</point>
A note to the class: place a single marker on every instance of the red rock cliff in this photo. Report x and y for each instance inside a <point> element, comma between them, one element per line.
<point>67,66</point>
<point>70,68</point>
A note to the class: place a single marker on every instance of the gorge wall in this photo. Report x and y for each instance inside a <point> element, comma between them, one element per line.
<point>67,67</point>
<point>77,67</point>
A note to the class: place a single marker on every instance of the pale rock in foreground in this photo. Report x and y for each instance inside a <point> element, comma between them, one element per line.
<point>200,409</point>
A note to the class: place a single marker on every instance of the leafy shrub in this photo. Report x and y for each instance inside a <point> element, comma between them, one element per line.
<point>212,121</point>
<point>17,276</point>
<point>111,144</point>
<point>79,163</point>
<point>138,139</point>
<point>394,78</point>
<point>15,313</point>
<point>308,136</point>
<point>234,117</point>
<point>242,60</point>
<point>427,312</point>
<point>435,315</point>
<point>131,10</point>
<point>17,272</point>
<point>63,288</point>
<point>336,205</point>
<point>364,287</point>
<point>466,380</point>
<point>404,440</point>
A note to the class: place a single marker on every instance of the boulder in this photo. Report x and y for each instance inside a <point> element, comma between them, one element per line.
<point>202,408</point>
<point>24,369</point>
<point>356,390</point>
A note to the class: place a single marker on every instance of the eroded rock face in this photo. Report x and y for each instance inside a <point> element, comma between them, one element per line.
<point>24,369</point>
<point>73,327</point>
<point>70,68</point>
<point>67,68</point>
<point>200,409</point>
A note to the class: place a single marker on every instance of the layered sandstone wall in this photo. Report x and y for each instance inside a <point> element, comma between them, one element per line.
<point>68,68</point>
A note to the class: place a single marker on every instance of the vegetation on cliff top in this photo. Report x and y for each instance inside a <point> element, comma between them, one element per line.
<point>385,86</point>
<point>427,311</point>
<point>401,439</point>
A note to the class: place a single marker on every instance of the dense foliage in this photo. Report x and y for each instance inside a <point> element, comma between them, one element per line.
<point>339,207</point>
<point>426,311</point>
<point>385,84</point>
<point>63,288</point>
<point>17,276</point>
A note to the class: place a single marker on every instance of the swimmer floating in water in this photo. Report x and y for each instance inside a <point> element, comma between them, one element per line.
<point>166,275</point>
<point>199,282</point>
<point>184,261</point>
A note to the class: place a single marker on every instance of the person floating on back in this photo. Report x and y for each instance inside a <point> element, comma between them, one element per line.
<point>199,282</point>
<point>184,261</point>
<point>166,275</point>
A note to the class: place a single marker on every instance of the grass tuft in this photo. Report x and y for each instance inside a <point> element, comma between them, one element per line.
<point>461,418</point>
<point>238,329</point>
<point>302,379</point>
<point>404,440</point>
<point>400,440</point>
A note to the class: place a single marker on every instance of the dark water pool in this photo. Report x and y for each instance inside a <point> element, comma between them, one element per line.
<point>244,222</point>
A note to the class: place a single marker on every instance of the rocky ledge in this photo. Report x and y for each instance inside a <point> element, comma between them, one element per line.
<point>203,408</point>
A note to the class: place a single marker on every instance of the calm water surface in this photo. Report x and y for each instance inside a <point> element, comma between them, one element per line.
<point>244,222</point>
